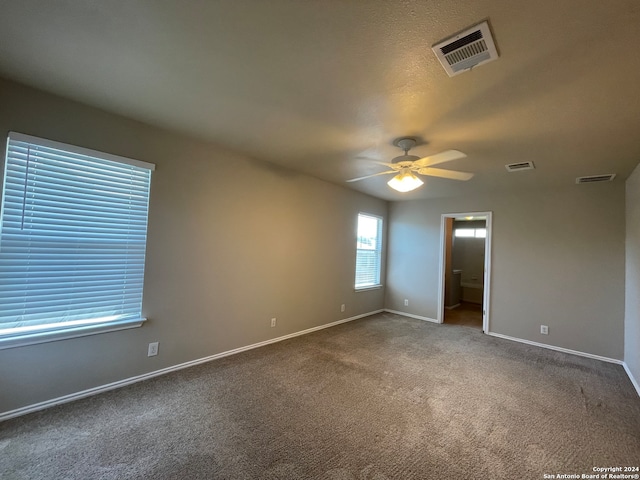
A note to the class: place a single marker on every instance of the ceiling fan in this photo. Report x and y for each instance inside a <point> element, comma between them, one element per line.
<point>406,166</point>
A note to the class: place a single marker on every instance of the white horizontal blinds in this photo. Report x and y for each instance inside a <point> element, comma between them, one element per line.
<point>369,251</point>
<point>72,239</point>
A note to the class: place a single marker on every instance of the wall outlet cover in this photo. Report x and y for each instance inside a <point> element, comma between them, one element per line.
<point>152,351</point>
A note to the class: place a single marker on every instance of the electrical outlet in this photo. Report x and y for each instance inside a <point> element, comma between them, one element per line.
<point>273,322</point>
<point>153,349</point>
<point>406,302</point>
<point>544,330</point>
<point>342,307</point>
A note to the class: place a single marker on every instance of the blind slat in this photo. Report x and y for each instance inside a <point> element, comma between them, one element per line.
<point>73,231</point>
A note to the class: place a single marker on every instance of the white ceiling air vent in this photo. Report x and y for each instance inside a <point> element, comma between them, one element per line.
<point>466,50</point>
<point>596,178</point>
<point>516,167</point>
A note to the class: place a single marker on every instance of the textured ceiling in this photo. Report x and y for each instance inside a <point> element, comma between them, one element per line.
<point>311,85</point>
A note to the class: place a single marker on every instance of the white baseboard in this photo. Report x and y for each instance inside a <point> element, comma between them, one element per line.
<point>631,377</point>
<point>418,317</point>
<point>139,378</point>
<point>559,349</point>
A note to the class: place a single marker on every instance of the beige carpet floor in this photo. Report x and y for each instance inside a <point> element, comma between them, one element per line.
<point>384,397</point>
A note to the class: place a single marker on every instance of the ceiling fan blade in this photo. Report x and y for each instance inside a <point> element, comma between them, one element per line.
<point>441,157</point>
<point>442,173</point>
<point>395,166</point>
<point>374,175</point>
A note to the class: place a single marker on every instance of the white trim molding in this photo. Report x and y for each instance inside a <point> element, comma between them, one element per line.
<point>145,376</point>
<point>558,349</point>
<point>66,333</point>
<point>366,289</point>
<point>417,317</point>
<point>635,382</point>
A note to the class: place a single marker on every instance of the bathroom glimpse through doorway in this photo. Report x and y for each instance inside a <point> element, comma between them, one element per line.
<point>465,261</point>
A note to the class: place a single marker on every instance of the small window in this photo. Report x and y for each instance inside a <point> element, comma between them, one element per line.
<point>465,232</point>
<point>471,232</point>
<point>368,251</point>
<point>73,231</point>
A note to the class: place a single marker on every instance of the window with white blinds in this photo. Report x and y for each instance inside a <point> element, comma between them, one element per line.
<point>368,251</point>
<point>73,231</point>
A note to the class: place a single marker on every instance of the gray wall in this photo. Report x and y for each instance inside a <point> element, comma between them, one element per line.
<point>222,259</point>
<point>632,285</point>
<point>557,259</point>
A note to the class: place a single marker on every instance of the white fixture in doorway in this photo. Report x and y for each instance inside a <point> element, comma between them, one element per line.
<point>487,216</point>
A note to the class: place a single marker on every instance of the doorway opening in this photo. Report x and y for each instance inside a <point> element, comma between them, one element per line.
<point>465,269</point>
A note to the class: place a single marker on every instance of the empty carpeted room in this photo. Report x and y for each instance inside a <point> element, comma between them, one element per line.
<point>232,233</point>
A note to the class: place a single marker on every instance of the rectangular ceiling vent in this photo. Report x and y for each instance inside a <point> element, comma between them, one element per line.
<point>516,167</point>
<point>596,178</point>
<point>466,50</point>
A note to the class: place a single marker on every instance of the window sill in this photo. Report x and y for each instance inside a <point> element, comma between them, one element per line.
<point>370,287</point>
<point>66,333</point>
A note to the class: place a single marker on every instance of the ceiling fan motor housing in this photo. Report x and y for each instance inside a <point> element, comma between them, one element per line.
<point>405,158</point>
<point>405,143</point>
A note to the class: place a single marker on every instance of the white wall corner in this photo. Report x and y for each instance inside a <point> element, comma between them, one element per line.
<point>635,382</point>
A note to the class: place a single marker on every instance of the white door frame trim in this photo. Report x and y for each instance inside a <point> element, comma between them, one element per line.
<point>487,265</point>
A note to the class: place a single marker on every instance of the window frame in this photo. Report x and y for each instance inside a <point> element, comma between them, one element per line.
<point>378,251</point>
<point>22,336</point>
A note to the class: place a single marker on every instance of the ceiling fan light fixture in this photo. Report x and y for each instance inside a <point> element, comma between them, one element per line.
<point>404,166</point>
<point>405,181</point>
